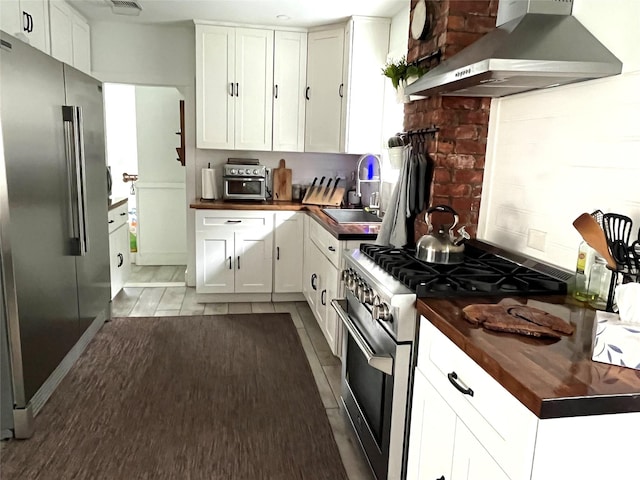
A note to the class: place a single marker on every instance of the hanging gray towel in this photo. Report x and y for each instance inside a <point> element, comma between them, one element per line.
<point>393,230</point>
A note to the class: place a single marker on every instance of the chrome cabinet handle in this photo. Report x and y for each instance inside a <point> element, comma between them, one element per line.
<point>453,378</point>
<point>384,363</point>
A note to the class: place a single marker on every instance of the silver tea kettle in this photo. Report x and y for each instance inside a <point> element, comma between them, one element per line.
<point>442,247</point>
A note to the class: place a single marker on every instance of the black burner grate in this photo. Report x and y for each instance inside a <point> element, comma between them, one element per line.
<point>481,273</point>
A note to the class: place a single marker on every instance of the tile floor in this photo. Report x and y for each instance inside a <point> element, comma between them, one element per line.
<point>157,276</point>
<point>180,300</point>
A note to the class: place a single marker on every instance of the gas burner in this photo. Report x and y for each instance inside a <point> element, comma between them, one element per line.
<point>481,273</point>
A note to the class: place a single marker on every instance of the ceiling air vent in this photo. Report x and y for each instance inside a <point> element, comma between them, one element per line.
<point>125,7</point>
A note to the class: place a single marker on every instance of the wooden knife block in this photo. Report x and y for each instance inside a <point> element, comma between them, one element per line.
<point>324,196</point>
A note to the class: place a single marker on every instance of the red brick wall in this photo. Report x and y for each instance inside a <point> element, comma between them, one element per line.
<point>459,147</point>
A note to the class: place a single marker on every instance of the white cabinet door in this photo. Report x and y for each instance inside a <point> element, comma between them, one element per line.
<point>366,47</point>
<point>253,256</point>
<point>310,280</point>
<point>61,31</point>
<point>81,34</point>
<point>253,89</point>
<point>329,290</point>
<point>35,14</point>
<point>234,87</point>
<point>471,461</point>
<point>11,19</point>
<point>215,261</point>
<point>324,90</point>
<point>431,437</point>
<point>289,79</point>
<point>215,66</point>
<point>289,252</point>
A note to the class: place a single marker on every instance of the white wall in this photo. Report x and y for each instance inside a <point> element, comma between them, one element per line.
<point>121,137</point>
<point>557,153</point>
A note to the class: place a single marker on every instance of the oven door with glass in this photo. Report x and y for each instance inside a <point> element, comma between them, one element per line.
<point>375,376</point>
<point>244,188</point>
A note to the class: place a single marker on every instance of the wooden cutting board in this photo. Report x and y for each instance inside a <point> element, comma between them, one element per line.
<point>282,182</point>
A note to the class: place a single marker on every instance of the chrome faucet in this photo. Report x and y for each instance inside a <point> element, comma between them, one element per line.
<point>359,180</point>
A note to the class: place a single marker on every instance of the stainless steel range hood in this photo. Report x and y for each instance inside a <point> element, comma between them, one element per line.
<point>544,47</point>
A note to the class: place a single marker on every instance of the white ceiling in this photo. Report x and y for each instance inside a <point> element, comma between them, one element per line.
<point>302,13</point>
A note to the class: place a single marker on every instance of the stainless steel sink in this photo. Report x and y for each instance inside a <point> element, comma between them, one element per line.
<point>351,215</point>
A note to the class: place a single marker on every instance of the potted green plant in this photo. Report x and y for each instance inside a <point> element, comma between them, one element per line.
<point>400,72</point>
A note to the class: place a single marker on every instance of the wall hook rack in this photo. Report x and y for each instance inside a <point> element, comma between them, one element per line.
<point>127,177</point>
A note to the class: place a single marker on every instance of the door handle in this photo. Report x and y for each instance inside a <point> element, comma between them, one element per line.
<point>323,297</point>
<point>453,378</point>
<point>230,267</point>
<point>332,249</point>
<point>231,89</point>
<point>112,221</point>
<point>237,90</point>
<point>120,260</point>
<point>384,362</point>
<point>233,221</point>
<point>123,214</point>
<point>306,93</point>
<point>314,277</point>
<point>276,91</point>
<point>238,262</point>
<point>340,90</point>
<point>74,149</point>
<point>277,253</point>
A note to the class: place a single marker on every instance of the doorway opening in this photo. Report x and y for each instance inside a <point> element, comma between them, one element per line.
<point>142,125</point>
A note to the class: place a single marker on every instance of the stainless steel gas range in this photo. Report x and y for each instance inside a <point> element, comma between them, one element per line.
<point>380,320</point>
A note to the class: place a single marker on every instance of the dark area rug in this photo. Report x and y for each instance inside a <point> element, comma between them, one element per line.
<point>202,397</point>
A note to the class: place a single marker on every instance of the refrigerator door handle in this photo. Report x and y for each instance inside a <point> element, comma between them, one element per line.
<point>72,117</point>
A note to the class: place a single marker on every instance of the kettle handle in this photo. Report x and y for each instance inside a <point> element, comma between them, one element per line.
<point>441,208</point>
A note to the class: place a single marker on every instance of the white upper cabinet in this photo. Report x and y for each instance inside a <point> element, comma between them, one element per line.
<point>346,87</point>
<point>234,87</point>
<point>61,31</point>
<point>81,40</point>
<point>27,20</point>
<point>289,79</point>
<point>324,90</point>
<point>366,48</point>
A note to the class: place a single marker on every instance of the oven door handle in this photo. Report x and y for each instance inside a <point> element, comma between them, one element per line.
<point>384,363</point>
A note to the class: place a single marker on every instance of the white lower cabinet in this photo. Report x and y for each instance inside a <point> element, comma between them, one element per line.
<point>119,263</point>
<point>288,233</point>
<point>234,251</point>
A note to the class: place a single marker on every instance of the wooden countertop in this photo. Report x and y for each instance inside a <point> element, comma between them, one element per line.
<point>553,378</point>
<point>116,202</point>
<point>341,232</point>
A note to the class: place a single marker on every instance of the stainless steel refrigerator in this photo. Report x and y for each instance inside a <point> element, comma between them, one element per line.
<point>53,226</point>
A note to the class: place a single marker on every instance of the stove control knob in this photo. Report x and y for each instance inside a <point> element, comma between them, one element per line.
<point>353,282</point>
<point>255,171</point>
<point>381,311</point>
<point>366,295</point>
<point>345,275</point>
<point>358,290</point>
<point>234,171</point>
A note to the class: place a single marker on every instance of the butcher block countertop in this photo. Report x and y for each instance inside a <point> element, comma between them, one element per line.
<point>341,232</point>
<point>553,378</point>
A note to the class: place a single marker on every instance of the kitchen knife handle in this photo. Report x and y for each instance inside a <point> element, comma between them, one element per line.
<point>306,93</point>
<point>453,378</point>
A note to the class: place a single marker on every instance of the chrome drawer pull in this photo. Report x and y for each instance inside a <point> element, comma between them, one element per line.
<point>453,377</point>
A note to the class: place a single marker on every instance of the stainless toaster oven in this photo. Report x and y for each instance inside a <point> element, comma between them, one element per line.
<point>246,181</point>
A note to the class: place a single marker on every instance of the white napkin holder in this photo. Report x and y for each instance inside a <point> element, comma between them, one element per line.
<point>616,342</point>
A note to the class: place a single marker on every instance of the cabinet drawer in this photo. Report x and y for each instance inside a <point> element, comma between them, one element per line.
<point>216,218</point>
<point>504,426</point>
<point>118,216</point>
<point>327,243</point>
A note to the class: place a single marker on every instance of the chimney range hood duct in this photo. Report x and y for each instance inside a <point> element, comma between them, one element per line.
<point>543,46</point>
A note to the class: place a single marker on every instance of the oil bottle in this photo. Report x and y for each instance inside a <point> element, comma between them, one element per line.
<point>586,257</point>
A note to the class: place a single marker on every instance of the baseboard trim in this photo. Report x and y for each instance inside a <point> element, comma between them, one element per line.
<point>287,297</point>
<point>232,297</point>
<point>23,418</point>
